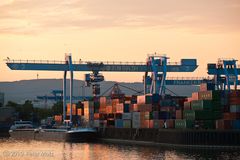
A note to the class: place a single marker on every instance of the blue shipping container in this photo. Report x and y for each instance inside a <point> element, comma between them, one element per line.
<point>126,108</point>
<point>119,123</point>
<point>164,115</point>
<point>236,124</point>
<point>155,98</point>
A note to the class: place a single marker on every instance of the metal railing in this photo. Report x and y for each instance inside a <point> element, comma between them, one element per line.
<point>35,61</point>
<point>81,62</point>
<point>188,78</point>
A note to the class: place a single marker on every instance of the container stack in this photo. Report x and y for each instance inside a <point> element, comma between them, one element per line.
<point>231,116</point>
<point>202,109</point>
<point>206,109</point>
<point>88,112</point>
<point>144,111</point>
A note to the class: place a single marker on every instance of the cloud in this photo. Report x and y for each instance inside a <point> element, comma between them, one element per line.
<point>33,16</point>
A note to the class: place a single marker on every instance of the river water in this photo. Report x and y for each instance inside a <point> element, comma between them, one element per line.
<point>38,150</point>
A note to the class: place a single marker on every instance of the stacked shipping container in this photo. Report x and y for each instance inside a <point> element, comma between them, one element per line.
<point>206,109</point>
<point>145,111</point>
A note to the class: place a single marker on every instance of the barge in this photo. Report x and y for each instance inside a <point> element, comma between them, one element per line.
<point>60,135</point>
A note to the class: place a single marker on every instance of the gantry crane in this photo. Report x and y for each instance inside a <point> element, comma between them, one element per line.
<point>225,72</point>
<point>155,83</point>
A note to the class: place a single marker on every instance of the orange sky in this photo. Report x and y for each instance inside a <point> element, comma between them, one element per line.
<point>124,30</point>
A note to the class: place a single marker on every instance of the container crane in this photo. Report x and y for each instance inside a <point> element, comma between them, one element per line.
<point>157,65</point>
<point>225,72</point>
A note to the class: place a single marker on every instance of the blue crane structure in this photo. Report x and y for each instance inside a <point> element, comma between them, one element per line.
<point>225,72</point>
<point>155,83</point>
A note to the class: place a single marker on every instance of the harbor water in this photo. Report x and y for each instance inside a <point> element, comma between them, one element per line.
<point>29,150</point>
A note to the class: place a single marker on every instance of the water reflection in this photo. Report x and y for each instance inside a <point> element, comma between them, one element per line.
<point>29,150</point>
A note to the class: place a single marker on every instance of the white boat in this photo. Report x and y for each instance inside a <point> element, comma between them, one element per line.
<point>21,125</point>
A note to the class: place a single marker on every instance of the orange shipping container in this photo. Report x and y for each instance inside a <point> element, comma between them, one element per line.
<point>119,108</point>
<point>195,96</point>
<point>115,101</point>
<point>109,109</point>
<point>102,109</point>
<point>58,118</point>
<point>96,116</point>
<point>74,109</point>
<point>105,101</point>
<point>79,112</point>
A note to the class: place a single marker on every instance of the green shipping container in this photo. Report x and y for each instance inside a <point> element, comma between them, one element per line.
<point>183,123</point>
<point>189,114</point>
<point>201,115</point>
<point>201,105</point>
<point>206,105</point>
<point>206,124</point>
<point>209,124</point>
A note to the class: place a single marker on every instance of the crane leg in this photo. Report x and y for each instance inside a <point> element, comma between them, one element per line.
<point>71,94</point>
<point>64,95</point>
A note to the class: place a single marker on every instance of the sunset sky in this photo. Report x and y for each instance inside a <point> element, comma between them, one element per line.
<point>117,30</point>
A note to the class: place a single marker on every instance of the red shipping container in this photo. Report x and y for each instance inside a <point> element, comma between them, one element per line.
<point>151,123</point>
<point>144,123</point>
<point>223,124</point>
<point>127,98</point>
<point>96,116</point>
<point>170,123</point>
<point>144,107</point>
<point>231,116</point>
<point>135,108</point>
<point>179,114</point>
<point>161,123</point>
<point>102,116</point>
<point>234,101</point>
<point>187,105</point>
<point>189,99</point>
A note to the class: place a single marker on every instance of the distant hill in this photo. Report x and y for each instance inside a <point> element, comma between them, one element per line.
<point>20,91</point>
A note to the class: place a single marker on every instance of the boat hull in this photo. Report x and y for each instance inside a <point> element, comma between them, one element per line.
<point>52,135</point>
<point>81,136</point>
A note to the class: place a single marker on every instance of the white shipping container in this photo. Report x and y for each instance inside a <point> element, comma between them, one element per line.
<point>127,116</point>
